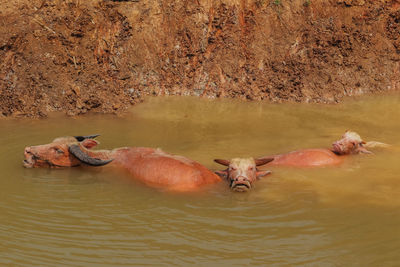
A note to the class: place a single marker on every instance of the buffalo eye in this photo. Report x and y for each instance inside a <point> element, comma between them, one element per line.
<point>58,151</point>
<point>232,169</point>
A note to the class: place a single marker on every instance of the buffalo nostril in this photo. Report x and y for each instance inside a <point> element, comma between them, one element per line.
<point>240,179</point>
<point>28,150</point>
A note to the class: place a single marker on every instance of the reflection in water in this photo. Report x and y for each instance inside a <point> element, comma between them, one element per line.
<point>327,216</point>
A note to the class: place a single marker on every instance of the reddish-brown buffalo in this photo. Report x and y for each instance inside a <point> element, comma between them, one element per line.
<point>350,144</point>
<point>151,166</point>
<point>307,158</point>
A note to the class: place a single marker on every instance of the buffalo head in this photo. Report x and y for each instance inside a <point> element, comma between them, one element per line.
<point>64,152</point>
<point>242,172</point>
<point>351,143</point>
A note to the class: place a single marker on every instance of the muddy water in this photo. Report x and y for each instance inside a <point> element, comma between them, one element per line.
<point>342,216</point>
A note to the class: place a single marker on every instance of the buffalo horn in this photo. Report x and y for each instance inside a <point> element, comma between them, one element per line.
<point>80,138</point>
<point>263,161</point>
<point>222,162</point>
<point>85,158</point>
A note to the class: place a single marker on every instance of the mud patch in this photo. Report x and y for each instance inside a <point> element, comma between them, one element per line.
<point>103,56</point>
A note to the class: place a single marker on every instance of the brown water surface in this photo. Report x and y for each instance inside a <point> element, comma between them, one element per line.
<point>342,216</point>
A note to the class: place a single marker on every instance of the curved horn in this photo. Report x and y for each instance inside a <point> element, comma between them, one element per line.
<point>263,161</point>
<point>85,158</point>
<point>224,162</point>
<point>80,138</point>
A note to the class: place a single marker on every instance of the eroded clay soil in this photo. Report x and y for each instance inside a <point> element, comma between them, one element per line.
<point>77,56</point>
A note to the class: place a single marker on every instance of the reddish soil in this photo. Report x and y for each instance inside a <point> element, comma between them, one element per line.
<point>103,56</point>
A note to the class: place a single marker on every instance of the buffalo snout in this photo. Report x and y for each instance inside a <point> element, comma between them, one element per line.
<point>337,147</point>
<point>241,184</point>
<point>30,158</point>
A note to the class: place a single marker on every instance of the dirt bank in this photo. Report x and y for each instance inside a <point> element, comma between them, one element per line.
<point>103,56</point>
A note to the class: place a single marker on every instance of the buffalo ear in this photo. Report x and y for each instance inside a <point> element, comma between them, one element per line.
<point>222,174</point>
<point>260,174</point>
<point>89,143</point>
<point>224,162</point>
<point>263,161</point>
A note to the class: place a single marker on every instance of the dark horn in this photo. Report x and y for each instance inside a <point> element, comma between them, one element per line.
<point>81,138</point>
<point>263,161</point>
<point>224,162</point>
<point>85,158</point>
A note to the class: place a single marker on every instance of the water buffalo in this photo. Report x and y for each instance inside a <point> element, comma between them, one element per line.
<point>350,143</point>
<point>242,172</point>
<point>153,167</point>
